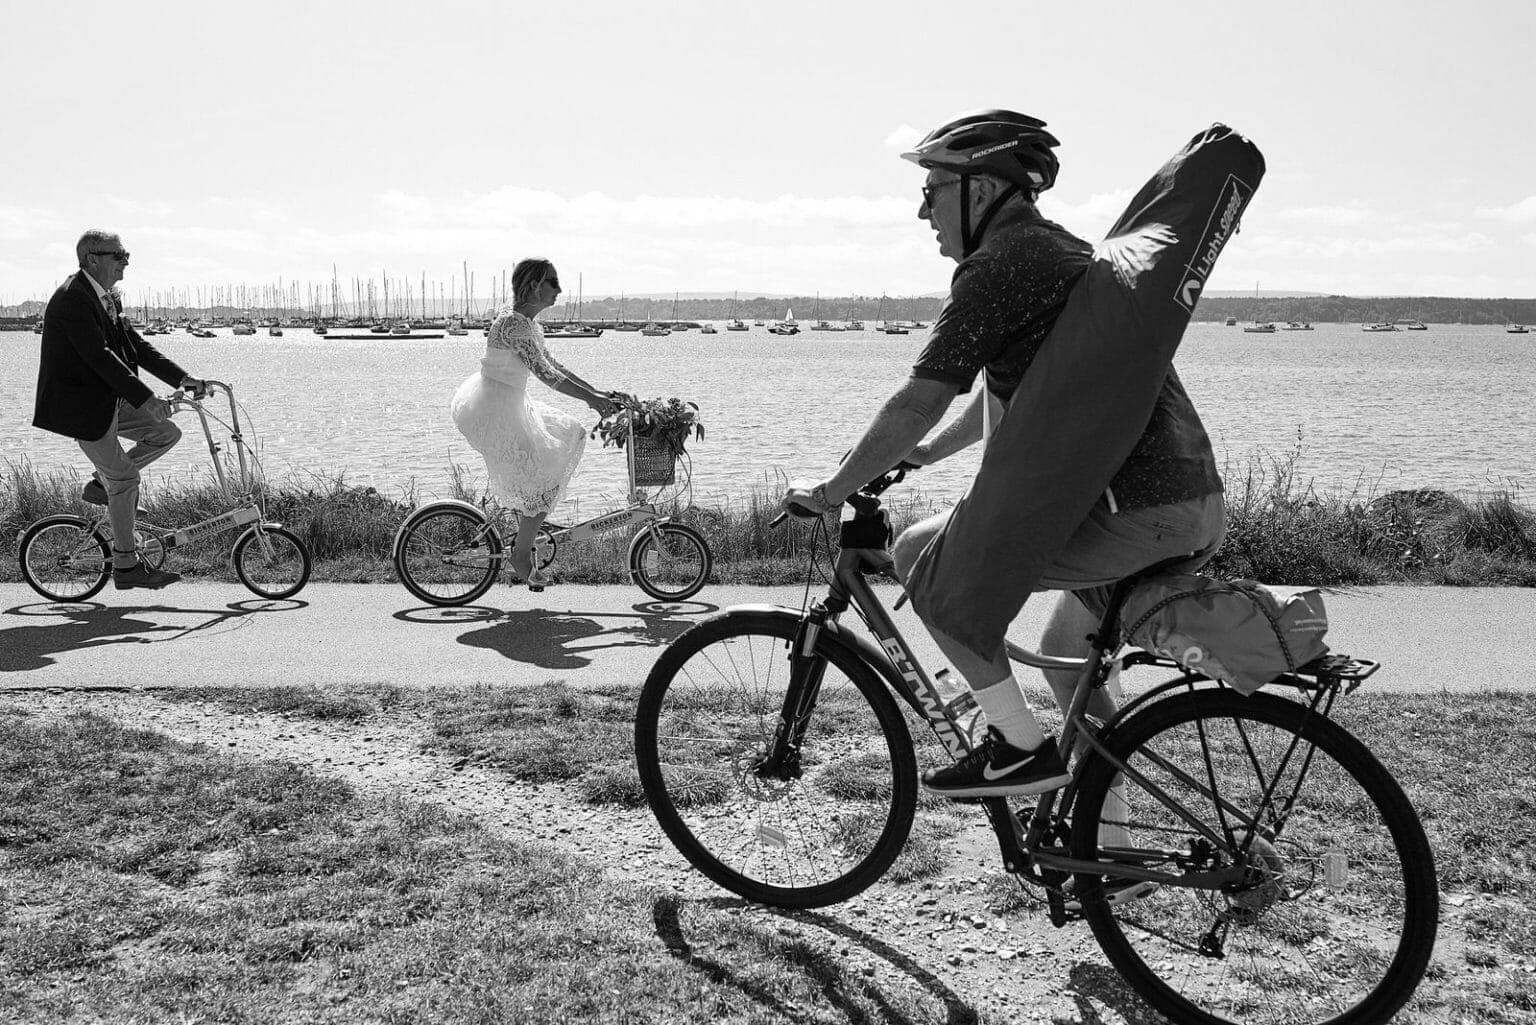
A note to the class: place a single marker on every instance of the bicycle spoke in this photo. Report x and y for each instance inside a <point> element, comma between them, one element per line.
<point>1323,910</point>
<point>802,816</point>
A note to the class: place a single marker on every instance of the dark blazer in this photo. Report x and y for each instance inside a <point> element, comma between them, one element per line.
<point>88,364</point>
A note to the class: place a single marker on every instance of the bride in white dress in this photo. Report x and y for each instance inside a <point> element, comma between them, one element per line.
<point>530,449</point>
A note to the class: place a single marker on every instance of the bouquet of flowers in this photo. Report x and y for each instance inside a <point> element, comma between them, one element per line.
<point>669,421</point>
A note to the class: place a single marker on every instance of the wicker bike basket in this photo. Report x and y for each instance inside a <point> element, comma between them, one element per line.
<point>651,462</point>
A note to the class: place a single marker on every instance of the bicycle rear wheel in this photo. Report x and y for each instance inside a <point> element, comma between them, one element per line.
<point>272,561</point>
<point>1334,915</point>
<point>669,561</point>
<point>447,555</point>
<point>809,834</point>
<point>63,560</point>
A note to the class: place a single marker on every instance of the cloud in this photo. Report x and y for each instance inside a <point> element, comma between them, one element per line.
<point>1345,216</point>
<point>519,208</point>
<point>1353,248</point>
<point>20,224</point>
<point>1091,218</point>
<point>903,137</point>
<point>1523,212</point>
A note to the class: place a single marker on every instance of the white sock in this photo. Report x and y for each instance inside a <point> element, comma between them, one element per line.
<point>1113,831</point>
<point>1005,708</point>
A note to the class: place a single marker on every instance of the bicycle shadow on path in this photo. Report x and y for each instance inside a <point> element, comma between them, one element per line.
<point>824,970</point>
<point>562,640</point>
<point>87,625</point>
<point>1087,983</point>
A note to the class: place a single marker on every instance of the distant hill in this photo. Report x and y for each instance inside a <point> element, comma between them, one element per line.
<point>1278,306</point>
<point>1217,293</point>
<point>1344,309</point>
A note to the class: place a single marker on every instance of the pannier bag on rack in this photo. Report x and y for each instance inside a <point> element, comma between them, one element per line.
<point>1236,631</point>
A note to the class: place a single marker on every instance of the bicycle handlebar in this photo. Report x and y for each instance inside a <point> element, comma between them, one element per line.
<point>869,492</point>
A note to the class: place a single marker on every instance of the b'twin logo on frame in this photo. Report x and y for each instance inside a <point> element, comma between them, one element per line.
<point>1219,227</point>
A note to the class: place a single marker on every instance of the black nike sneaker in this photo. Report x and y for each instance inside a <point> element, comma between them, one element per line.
<point>998,769</point>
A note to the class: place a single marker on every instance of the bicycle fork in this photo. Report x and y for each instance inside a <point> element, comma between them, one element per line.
<point>806,671</point>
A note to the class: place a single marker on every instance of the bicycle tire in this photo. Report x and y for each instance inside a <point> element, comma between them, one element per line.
<point>283,574</point>
<point>710,705</point>
<point>430,538</point>
<point>1291,923</point>
<point>675,572</point>
<point>64,561</point>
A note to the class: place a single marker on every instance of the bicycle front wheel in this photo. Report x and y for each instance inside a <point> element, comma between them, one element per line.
<point>271,561</point>
<point>669,561</point>
<point>448,555</point>
<point>63,560</point>
<point>1330,908</point>
<point>812,831</point>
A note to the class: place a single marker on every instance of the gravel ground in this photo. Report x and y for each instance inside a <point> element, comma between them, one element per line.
<point>940,935</point>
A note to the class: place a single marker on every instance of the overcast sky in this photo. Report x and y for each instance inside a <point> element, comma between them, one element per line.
<point>752,146</point>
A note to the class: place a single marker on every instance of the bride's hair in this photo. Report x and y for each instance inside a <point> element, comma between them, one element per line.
<point>527,275</point>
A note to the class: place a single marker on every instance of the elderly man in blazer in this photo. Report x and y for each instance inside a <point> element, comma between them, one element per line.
<point>88,389</point>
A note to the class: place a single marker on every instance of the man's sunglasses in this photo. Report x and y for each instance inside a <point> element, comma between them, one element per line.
<point>929,190</point>
<point>121,255</point>
<point>553,281</point>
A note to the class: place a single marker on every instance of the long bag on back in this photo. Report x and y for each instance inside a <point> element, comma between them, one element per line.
<point>1089,393</point>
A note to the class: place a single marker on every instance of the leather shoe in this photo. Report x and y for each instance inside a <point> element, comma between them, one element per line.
<point>94,494</point>
<point>140,575</point>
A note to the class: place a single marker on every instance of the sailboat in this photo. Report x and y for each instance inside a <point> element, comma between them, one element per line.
<point>624,325</point>
<point>735,323</point>
<point>817,323</point>
<point>676,325</point>
<point>653,329</point>
<point>1259,327</point>
<point>575,328</point>
<point>787,326</point>
<point>890,327</point>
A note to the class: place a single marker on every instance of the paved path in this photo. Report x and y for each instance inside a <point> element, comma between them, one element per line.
<point>191,634</point>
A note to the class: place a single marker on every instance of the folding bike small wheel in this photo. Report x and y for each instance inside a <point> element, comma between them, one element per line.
<point>448,554</point>
<point>272,561</point>
<point>669,561</point>
<point>64,559</point>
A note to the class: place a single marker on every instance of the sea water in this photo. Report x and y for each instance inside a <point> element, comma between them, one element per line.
<point>1451,407</point>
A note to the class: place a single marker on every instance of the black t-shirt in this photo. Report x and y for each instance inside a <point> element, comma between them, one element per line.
<point>1003,301</point>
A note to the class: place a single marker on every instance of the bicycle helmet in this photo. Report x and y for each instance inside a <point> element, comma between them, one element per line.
<point>1004,143</point>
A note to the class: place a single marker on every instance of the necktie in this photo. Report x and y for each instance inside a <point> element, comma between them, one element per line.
<point>106,300</point>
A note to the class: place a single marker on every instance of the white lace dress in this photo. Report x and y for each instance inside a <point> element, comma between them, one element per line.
<point>530,449</point>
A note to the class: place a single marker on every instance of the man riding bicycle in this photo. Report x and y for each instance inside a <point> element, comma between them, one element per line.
<point>88,389</point>
<point>964,567</point>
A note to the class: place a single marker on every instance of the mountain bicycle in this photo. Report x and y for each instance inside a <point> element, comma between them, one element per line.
<point>450,552</point>
<point>1284,874</point>
<point>68,558</point>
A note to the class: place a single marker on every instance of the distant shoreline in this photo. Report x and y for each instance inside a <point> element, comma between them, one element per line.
<point>873,310</point>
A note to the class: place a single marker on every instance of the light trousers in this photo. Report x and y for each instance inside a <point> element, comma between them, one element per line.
<point>119,470</point>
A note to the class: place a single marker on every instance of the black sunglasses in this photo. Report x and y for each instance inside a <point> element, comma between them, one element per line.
<point>929,190</point>
<point>553,281</point>
<point>116,254</point>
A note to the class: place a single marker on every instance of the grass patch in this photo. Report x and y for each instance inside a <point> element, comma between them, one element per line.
<point>1281,529</point>
<point>145,880</point>
<point>1464,761</point>
<point>307,702</point>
